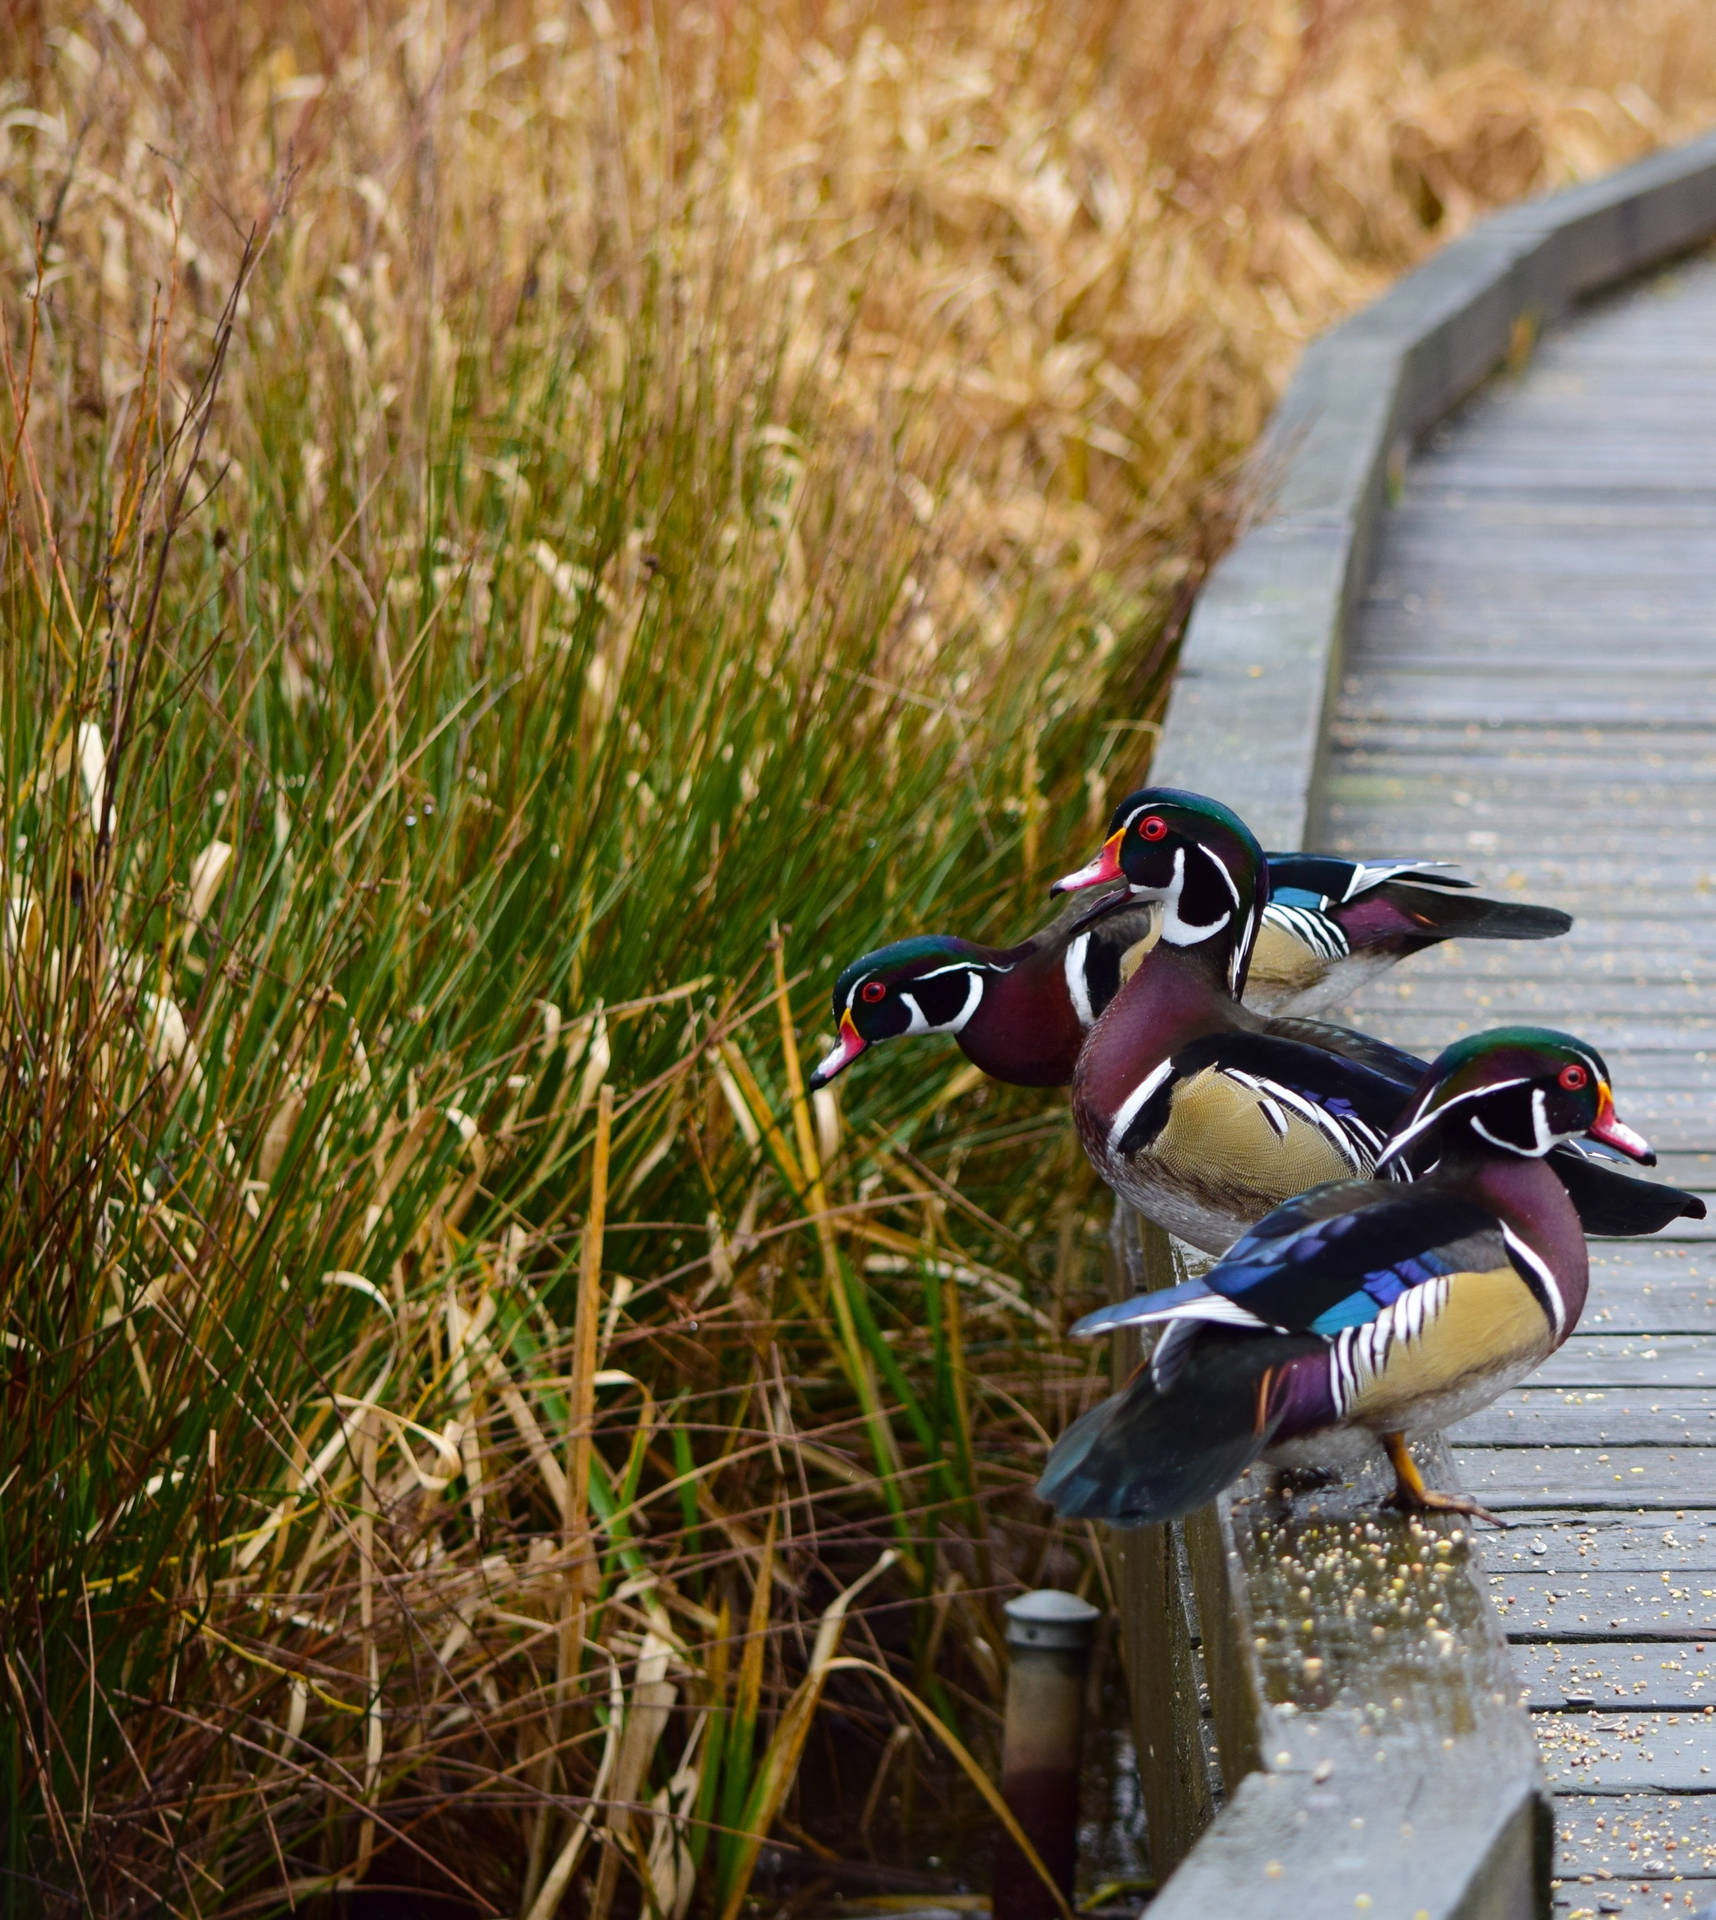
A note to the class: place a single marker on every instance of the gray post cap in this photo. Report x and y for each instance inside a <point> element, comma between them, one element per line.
<point>1048,1618</point>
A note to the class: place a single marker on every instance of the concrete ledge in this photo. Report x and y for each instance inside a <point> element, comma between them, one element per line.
<point>1262,653</point>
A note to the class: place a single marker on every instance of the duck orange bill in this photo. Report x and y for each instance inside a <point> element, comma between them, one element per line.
<point>1106,866</point>
<point>1613,1131</point>
<point>845,1050</point>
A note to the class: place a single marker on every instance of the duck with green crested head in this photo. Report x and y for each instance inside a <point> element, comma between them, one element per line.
<point>1363,1312</point>
<point>1021,1013</point>
<point>1205,1117</point>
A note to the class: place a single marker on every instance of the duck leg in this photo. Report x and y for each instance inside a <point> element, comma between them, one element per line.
<point>1412,1496</point>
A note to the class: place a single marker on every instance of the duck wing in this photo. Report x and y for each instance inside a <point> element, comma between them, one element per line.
<point>1331,1258</point>
<point>1157,1449</point>
<point>1381,1056</point>
<point>1351,1104</point>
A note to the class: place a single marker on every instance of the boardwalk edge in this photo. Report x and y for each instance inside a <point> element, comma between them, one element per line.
<point>1350,1771</point>
<point>1261,659</point>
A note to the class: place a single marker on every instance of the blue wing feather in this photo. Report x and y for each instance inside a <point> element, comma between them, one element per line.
<point>1339,1255</point>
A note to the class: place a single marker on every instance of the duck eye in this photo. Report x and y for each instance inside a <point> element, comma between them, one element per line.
<point>1152,827</point>
<point>1573,1078</point>
<point>872,990</point>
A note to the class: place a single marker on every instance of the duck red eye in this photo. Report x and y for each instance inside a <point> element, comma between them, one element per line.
<point>872,990</point>
<point>1573,1078</point>
<point>1152,827</point>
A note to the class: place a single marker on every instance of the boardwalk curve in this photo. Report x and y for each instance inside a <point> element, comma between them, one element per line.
<point>1497,639</point>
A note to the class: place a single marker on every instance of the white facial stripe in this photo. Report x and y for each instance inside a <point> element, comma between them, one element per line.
<point>1131,1106</point>
<point>1540,1120</point>
<point>1176,930</point>
<point>1539,1266</point>
<point>1077,986</point>
<point>1429,1116</point>
<point>1220,866</point>
<point>921,1022</point>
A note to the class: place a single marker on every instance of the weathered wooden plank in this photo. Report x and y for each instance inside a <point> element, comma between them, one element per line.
<point>1541,1417</point>
<point>1631,1478</point>
<point>1620,1309</point>
<point>1578,1899</point>
<point>1642,1674</point>
<point>1598,1357</point>
<point>1558,1541</point>
<point>1624,1752</point>
<point>1630,1834</point>
<point>1570,1607</point>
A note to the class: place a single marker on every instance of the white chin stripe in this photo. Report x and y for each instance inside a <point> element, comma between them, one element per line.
<point>1176,930</point>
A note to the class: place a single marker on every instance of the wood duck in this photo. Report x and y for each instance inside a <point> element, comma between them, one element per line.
<point>1186,1107</point>
<point>1021,1013</point>
<point>1203,1115</point>
<point>1366,1311</point>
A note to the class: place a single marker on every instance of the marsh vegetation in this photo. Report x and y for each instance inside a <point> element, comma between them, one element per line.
<point>532,535</point>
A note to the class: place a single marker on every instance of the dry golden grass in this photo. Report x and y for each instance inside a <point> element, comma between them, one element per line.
<point>503,506</point>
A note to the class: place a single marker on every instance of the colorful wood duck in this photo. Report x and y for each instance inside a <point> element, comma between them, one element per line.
<point>1204,1116</point>
<point>1021,1013</point>
<point>1366,1311</point>
<point>1186,1108</point>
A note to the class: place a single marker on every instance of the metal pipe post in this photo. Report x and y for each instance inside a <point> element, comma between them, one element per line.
<point>1048,1641</point>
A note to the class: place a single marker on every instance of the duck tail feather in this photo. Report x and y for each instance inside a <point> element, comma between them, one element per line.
<point>1615,1204</point>
<point>1153,1452</point>
<point>1476,916</point>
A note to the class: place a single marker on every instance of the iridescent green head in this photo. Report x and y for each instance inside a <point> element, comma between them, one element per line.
<point>1521,1089</point>
<point>932,984</point>
<point>1198,858</point>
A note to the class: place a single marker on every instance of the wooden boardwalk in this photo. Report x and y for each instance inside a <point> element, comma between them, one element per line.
<point>1531,687</point>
